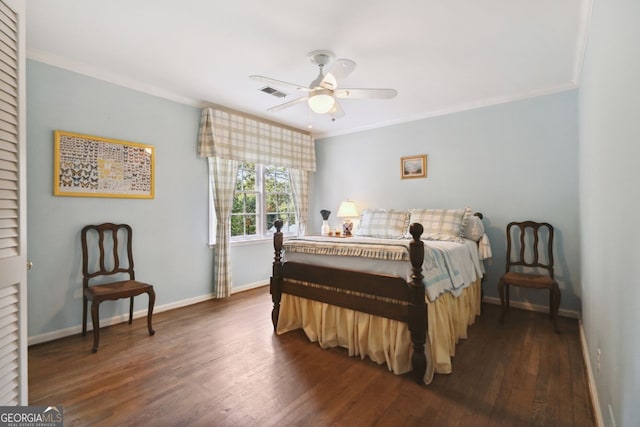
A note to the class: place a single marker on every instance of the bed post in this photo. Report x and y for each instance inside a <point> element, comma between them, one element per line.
<point>276,275</point>
<point>481,216</point>
<point>418,306</point>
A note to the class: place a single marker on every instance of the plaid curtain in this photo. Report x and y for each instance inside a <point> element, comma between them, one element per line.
<point>223,181</point>
<point>226,139</point>
<point>206,142</point>
<point>234,137</point>
<point>300,188</point>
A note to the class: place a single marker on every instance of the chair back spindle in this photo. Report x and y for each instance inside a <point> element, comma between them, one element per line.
<point>531,237</point>
<point>108,251</point>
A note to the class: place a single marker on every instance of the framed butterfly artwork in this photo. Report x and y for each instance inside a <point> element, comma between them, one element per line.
<point>93,166</point>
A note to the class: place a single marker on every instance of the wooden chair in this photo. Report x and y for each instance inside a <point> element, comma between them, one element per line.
<point>105,258</point>
<point>528,259</point>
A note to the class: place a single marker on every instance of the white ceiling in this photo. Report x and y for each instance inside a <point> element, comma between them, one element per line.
<point>441,55</point>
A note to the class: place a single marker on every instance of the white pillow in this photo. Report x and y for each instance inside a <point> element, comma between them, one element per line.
<point>474,229</point>
<point>383,223</point>
<point>441,224</point>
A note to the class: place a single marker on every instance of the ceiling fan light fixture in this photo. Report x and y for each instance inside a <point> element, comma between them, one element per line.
<point>321,101</point>
<point>323,93</point>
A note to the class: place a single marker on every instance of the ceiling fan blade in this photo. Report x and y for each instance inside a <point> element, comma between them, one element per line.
<point>365,93</point>
<point>279,83</point>
<point>336,112</point>
<point>340,69</point>
<point>288,104</point>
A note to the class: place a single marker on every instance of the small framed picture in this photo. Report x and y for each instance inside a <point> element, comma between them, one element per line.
<point>413,166</point>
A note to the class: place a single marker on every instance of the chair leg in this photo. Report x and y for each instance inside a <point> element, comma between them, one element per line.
<point>501,290</point>
<point>130,310</point>
<point>152,301</point>
<point>95,305</point>
<point>84,315</point>
<point>556,305</point>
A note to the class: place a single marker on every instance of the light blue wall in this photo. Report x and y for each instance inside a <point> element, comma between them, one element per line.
<point>170,231</point>
<point>514,161</point>
<point>609,198</point>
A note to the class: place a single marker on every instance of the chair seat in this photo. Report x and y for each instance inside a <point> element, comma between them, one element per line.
<point>528,280</point>
<point>116,290</point>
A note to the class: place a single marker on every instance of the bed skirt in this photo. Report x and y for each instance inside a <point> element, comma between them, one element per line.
<point>383,340</point>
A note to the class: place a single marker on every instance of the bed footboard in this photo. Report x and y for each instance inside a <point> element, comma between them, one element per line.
<point>380,295</point>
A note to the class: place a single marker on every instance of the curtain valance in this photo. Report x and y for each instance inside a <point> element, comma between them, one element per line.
<point>234,137</point>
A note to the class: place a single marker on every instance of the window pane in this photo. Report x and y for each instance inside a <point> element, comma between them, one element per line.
<point>250,224</point>
<point>246,176</point>
<point>250,176</point>
<point>272,203</point>
<point>238,203</point>
<point>276,179</point>
<point>240,176</point>
<point>250,202</point>
<point>282,181</point>
<point>283,203</point>
<point>237,225</point>
<point>268,180</point>
<point>271,218</point>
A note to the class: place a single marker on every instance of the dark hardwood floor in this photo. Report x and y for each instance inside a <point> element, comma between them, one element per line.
<point>218,363</point>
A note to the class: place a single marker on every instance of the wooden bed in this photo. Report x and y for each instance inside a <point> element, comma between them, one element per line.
<point>386,296</point>
<point>286,276</point>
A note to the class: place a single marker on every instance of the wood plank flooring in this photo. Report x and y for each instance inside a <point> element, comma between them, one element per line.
<point>218,363</point>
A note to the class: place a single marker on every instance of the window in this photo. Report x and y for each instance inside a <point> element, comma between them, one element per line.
<point>262,195</point>
<point>244,215</point>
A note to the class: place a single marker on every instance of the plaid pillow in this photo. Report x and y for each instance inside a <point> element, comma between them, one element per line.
<point>441,224</point>
<point>474,229</point>
<point>383,223</point>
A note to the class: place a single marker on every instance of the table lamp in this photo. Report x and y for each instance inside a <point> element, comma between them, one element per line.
<point>347,211</point>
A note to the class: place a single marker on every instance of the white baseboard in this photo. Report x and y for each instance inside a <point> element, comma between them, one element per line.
<point>533,307</point>
<point>248,286</point>
<point>73,330</point>
<point>591,379</point>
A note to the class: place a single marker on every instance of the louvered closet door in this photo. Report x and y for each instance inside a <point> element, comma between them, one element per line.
<point>13,276</point>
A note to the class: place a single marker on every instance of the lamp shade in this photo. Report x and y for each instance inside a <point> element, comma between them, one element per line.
<point>321,101</point>
<point>347,210</point>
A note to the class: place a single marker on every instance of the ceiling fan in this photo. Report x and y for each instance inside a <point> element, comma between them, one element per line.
<point>323,93</point>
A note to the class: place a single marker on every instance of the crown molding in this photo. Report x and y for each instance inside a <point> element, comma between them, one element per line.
<point>458,109</point>
<point>119,80</point>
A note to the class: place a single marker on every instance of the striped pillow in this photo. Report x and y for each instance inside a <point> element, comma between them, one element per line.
<point>441,224</point>
<point>383,223</point>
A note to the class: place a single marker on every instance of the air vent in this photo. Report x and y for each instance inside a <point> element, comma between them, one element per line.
<point>274,92</point>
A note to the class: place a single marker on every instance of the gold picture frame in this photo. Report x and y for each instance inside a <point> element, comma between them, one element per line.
<point>413,166</point>
<point>93,166</point>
